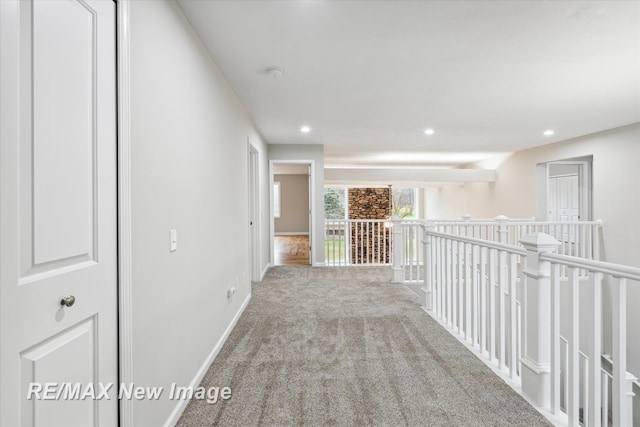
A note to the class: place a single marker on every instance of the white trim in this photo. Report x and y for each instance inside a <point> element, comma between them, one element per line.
<point>585,185</point>
<point>276,184</point>
<point>312,204</point>
<point>266,268</point>
<point>255,241</point>
<point>319,264</point>
<point>533,366</point>
<point>125,300</point>
<point>180,407</point>
<point>291,233</point>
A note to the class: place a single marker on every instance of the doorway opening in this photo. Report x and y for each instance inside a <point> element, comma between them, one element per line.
<point>291,213</point>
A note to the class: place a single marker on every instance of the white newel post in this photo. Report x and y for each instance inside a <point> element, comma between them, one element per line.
<point>536,325</point>
<point>502,230</point>
<point>629,395</point>
<point>397,275</point>
<point>466,218</point>
<point>427,263</point>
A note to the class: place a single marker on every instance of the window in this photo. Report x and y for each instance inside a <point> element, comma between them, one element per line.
<point>335,203</point>
<point>405,203</point>
<point>276,199</point>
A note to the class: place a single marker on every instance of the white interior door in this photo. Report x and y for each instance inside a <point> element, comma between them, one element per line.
<point>552,199</point>
<point>58,212</point>
<point>568,196</point>
<point>563,202</point>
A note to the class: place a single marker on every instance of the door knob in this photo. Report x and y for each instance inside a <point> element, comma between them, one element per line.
<point>68,301</point>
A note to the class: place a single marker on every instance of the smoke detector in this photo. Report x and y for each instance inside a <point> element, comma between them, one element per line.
<point>275,72</point>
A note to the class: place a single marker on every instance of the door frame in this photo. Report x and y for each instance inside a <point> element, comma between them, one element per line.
<point>585,182</point>
<point>125,300</point>
<point>312,197</point>
<point>253,177</point>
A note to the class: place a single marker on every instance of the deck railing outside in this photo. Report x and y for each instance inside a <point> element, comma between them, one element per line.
<point>357,242</point>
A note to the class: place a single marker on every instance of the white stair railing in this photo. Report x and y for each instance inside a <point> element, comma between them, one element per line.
<point>412,257</point>
<point>503,302</point>
<point>577,238</point>
<point>472,288</point>
<point>594,406</point>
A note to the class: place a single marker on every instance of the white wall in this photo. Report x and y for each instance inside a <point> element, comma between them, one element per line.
<point>189,172</point>
<point>616,188</point>
<point>315,153</point>
<point>616,200</point>
<point>294,204</point>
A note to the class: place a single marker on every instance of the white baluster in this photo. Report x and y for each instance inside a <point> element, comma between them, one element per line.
<point>513,345</point>
<point>492,304</point>
<point>595,353</point>
<point>474,288</point>
<point>483,299</point>
<point>460,287</point>
<point>605,400</point>
<point>398,255</point>
<point>448,265</point>
<point>502,291</point>
<point>573,406</point>
<point>442,287</point>
<point>620,410</point>
<point>467,290</point>
<point>426,253</point>
<point>555,339</point>
<point>454,286</point>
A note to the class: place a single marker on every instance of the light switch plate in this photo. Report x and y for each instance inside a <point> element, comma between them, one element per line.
<point>174,240</point>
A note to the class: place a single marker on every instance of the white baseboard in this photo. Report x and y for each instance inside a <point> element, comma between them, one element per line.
<point>182,403</point>
<point>266,268</point>
<point>319,264</point>
<point>292,233</point>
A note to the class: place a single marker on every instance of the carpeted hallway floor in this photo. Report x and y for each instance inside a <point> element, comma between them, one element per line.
<point>344,347</point>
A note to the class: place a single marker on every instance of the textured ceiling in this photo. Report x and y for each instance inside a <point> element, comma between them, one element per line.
<point>369,77</point>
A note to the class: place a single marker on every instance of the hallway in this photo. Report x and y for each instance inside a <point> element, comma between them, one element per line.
<point>342,346</point>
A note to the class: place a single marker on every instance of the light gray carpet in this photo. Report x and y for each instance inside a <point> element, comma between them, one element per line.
<point>344,347</point>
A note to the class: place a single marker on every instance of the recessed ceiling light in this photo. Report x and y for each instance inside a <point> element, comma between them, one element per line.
<point>305,129</point>
<point>548,132</point>
<point>429,131</point>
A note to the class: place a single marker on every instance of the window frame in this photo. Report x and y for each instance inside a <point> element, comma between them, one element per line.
<point>277,199</point>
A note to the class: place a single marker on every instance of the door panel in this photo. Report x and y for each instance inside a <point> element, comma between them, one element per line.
<point>552,197</point>
<point>563,203</point>
<point>51,362</point>
<point>64,52</point>
<point>58,209</point>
